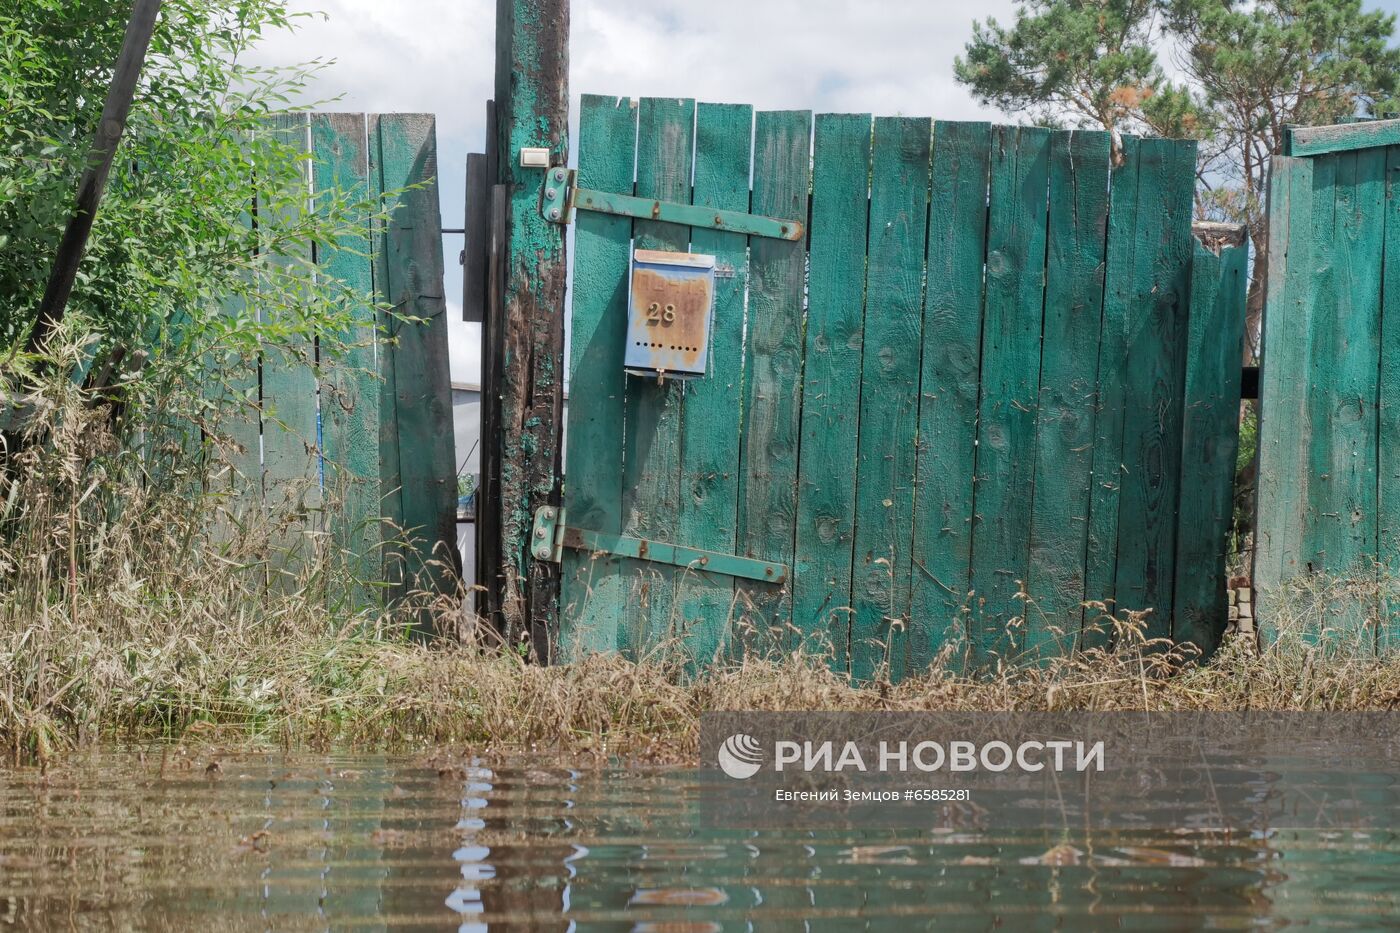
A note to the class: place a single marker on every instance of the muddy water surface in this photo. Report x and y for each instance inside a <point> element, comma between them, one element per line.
<point>120,840</point>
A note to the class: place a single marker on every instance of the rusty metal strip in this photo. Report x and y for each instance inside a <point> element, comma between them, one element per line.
<point>551,535</point>
<point>560,198</point>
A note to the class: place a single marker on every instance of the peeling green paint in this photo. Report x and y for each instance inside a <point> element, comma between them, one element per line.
<point>532,109</point>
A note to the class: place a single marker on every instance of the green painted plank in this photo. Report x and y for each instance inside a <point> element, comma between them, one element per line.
<point>592,588</point>
<point>773,368</point>
<point>1324,524</point>
<point>1321,314</point>
<point>709,502</point>
<point>1320,140</point>
<point>390,479</point>
<point>1283,429</point>
<point>1010,381</point>
<point>826,496</point>
<point>1065,416</point>
<point>1209,444</point>
<point>1157,326</point>
<point>889,397</point>
<point>651,474</point>
<point>349,385</point>
<point>290,447</point>
<point>1342,537</point>
<point>1360,237</point>
<point>235,427</point>
<point>420,394</point>
<point>1101,552</point>
<point>1388,439</point>
<point>941,551</point>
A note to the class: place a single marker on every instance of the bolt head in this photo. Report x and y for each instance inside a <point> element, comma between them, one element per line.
<point>549,514</point>
<point>554,214</point>
<point>549,194</point>
<point>559,175</point>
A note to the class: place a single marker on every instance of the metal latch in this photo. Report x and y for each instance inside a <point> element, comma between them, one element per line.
<point>561,197</point>
<point>551,535</point>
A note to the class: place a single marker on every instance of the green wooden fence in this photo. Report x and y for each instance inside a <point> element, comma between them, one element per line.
<point>352,447</point>
<point>1328,509</point>
<point>996,381</point>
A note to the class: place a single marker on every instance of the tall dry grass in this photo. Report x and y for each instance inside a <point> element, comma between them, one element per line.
<point>126,614</point>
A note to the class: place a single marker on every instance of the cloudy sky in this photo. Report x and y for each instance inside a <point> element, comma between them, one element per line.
<point>891,57</point>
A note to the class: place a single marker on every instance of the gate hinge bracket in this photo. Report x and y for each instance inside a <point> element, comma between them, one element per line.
<point>550,535</point>
<point>560,197</point>
<point>546,538</point>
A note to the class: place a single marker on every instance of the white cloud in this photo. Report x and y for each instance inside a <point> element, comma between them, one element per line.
<point>438,56</point>
<point>833,55</point>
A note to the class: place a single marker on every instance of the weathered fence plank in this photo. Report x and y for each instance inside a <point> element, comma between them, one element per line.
<point>234,390</point>
<point>1285,356</point>
<point>391,495</point>
<point>1209,444</point>
<point>1064,441</point>
<point>709,456</point>
<point>889,395</point>
<point>349,388</point>
<point>1010,383</point>
<point>419,394</point>
<point>1341,537</point>
<point>651,473</point>
<point>591,607</point>
<point>290,441</point>
<point>826,504</point>
<point>1156,339</point>
<point>1388,415</point>
<point>1341,137</point>
<point>1358,235</point>
<point>941,552</point>
<point>1321,312</point>
<point>773,365</point>
<point>1120,299</point>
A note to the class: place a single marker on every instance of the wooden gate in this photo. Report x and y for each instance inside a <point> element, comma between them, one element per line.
<point>354,447</point>
<point>955,412</point>
<point>1328,506</point>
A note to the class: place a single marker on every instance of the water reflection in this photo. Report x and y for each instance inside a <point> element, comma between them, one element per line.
<point>118,840</point>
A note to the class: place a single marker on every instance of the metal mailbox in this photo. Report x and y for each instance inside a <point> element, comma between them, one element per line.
<point>669,314</point>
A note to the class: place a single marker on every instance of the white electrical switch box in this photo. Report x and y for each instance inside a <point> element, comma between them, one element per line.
<point>534,158</point>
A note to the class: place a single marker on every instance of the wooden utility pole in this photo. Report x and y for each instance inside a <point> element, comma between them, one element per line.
<point>125,76</point>
<point>532,108</point>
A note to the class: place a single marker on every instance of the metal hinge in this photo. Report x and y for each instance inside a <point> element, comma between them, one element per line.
<point>561,197</point>
<point>551,535</point>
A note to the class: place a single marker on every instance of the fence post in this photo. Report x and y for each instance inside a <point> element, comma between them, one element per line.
<point>125,77</point>
<point>532,107</point>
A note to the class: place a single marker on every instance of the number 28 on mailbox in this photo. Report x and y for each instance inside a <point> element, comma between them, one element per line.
<point>669,314</point>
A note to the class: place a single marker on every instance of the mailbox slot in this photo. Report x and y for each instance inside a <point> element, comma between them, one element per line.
<point>669,314</point>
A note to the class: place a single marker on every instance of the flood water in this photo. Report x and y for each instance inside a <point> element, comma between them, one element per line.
<point>121,840</point>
